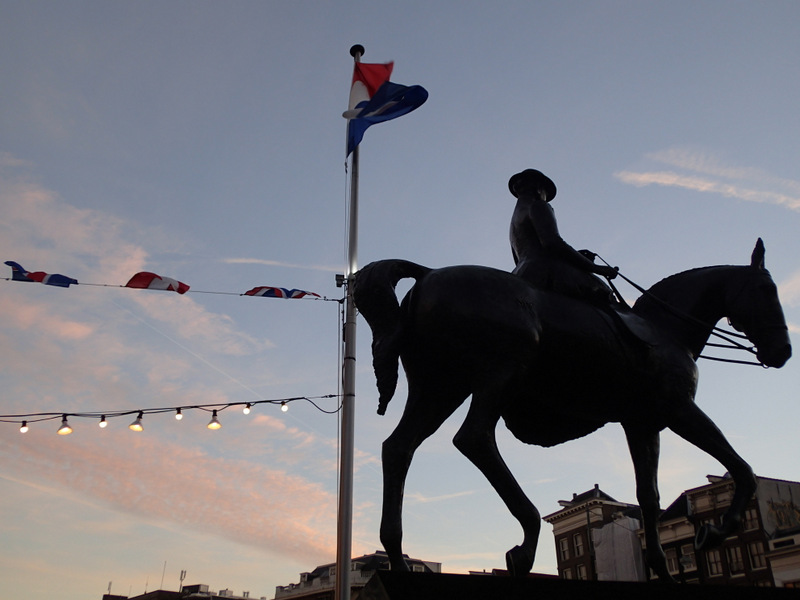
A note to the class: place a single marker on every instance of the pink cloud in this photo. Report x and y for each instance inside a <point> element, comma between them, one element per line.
<point>236,499</point>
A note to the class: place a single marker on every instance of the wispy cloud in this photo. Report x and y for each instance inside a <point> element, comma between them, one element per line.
<point>702,172</point>
<point>422,499</point>
<point>277,263</point>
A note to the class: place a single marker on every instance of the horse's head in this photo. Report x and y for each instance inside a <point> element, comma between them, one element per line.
<point>754,309</point>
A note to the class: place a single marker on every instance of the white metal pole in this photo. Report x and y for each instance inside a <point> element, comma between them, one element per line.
<point>344,534</point>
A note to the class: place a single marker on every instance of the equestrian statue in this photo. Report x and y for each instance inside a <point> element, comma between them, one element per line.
<point>551,350</point>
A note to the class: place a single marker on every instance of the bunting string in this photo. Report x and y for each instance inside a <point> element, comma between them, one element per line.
<point>151,281</point>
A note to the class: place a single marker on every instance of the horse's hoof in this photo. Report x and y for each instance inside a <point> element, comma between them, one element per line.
<point>519,561</point>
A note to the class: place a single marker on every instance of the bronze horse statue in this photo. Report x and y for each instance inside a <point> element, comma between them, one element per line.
<point>557,368</point>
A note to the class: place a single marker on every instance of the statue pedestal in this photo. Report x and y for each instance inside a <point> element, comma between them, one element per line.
<point>391,585</point>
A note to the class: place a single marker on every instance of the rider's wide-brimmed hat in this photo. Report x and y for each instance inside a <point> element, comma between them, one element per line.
<point>535,178</point>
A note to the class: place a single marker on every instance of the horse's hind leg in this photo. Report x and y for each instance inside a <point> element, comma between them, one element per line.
<point>423,415</point>
<point>476,440</point>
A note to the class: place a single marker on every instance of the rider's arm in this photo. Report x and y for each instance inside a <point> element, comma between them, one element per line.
<point>543,218</point>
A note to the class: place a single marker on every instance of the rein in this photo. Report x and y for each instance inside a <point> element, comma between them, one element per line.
<point>715,331</point>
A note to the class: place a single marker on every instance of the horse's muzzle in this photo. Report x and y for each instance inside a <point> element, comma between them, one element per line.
<point>775,357</point>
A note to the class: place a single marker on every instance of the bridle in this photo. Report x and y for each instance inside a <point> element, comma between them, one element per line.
<point>722,334</point>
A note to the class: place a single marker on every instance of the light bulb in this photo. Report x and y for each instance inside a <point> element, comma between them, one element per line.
<point>246,409</point>
<point>214,422</point>
<point>178,415</point>
<point>24,427</point>
<point>284,406</point>
<point>103,422</point>
<point>65,429</point>
<point>137,424</point>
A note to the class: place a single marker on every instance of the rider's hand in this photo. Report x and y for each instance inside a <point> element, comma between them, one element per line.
<point>608,272</point>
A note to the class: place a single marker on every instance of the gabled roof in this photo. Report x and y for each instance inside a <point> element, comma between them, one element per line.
<point>678,509</point>
<point>595,493</point>
<point>593,496</point>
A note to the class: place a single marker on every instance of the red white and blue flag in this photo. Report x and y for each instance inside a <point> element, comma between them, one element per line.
<point>375,99</point>
<point>278,292</point>
<point>151,281</point>
<point>20,274</point>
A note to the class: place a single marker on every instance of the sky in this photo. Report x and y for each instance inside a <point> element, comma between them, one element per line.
<point>204,141</point>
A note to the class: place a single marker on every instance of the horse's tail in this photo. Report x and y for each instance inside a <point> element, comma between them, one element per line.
<point>375,298</point>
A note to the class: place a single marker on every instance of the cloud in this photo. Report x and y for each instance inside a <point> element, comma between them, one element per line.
<point>7,160</point>
<point>44,232</point>
<point>27,315</point>
<point>789,290</point>
<point>708,175</point>
<point>422,499</point>
<point>277,263</point>
<point>162,481</point>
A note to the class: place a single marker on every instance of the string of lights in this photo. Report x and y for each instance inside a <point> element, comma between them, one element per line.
<point>26,420</point>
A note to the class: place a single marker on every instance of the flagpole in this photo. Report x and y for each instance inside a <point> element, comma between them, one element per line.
<point>344,532</point>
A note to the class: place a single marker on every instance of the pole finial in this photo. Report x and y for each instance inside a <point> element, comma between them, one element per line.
<point>357,50</point>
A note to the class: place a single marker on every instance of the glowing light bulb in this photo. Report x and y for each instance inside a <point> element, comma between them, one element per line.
<point>178,415</point>
<point>137,424</point>
<point>246,409</point>
<point>65,429</point>
<point>284,406</point>
<point>103,423</point>
<point>24,427</point>
<point>214,422</point>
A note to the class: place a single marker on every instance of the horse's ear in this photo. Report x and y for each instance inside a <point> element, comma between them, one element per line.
<point>757,258</point>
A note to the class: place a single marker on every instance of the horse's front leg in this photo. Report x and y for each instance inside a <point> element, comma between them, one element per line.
<point>693,425</point>
<point>644,447</point>
<point>476,440</point>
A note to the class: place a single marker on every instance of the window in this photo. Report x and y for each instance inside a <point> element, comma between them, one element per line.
<point>687,557</point>
<point>563,548</point>
<point>714,561</point>
<point>567,573</point>
<point>418,568</point>
<point>672,560</point>
<point>582,572</point>
<point>750,519</point>
<point>577,541</point>
<point>757,559</point>
<point>735,561</point>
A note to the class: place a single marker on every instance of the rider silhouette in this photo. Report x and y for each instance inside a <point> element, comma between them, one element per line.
<point>541,256</point>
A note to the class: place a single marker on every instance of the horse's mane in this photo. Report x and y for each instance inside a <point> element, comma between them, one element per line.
<point>665,288</point>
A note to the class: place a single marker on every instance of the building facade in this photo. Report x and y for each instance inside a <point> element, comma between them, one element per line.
<point>320,584</point>
<point>748,557</point>
<point>596,515</point>
<point>764,552</point>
